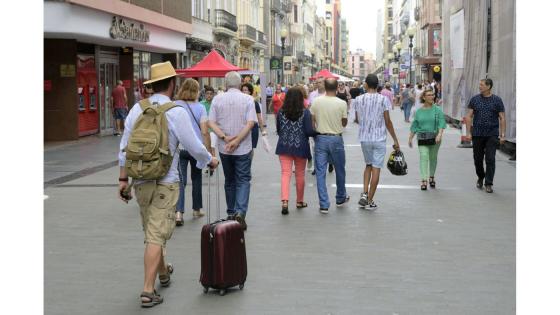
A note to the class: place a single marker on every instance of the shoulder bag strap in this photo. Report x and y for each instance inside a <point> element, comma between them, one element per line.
<point>194,117</point>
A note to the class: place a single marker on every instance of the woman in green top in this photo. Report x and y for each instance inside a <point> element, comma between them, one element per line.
<point>428,119</point>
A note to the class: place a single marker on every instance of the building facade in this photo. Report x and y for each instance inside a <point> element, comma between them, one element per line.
<point>89,45</point>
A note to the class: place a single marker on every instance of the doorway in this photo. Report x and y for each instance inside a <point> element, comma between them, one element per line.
<point>108,73</point>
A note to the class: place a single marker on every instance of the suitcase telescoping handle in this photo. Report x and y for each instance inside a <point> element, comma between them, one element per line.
<point>217,175</point>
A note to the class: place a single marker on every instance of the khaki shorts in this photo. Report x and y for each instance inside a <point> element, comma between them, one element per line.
<point>157,209</point>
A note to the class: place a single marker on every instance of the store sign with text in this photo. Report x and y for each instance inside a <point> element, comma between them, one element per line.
<point>123,29</point>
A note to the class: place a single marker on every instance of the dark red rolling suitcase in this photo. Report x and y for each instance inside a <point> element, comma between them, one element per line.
<point>223,256</point>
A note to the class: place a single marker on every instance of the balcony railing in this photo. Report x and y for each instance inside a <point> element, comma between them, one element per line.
<point>287,6</point>
<point>276,6</point>
<point>309,28</point>
<point>247,31</point>
<point>226,20</point>
<point>261,38</point>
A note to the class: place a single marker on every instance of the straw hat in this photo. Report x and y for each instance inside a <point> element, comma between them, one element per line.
<point>161,71</point>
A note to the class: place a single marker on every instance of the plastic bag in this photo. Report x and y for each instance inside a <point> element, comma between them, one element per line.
<point>266,144</point>
<point>397,164</point>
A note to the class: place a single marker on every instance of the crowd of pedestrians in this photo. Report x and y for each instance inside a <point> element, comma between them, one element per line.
<point>309,122</point>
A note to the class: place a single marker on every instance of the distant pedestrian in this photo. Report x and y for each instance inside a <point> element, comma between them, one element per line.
<point>320,91</point>
<point>428,125</point>
<point>232,116</point>
<point>119,101</point>
<point>157,198</point>
<point>188,99</point>
<point>355,90</point>
<point>278,99</point>
<point>329,118</point>
<point>207,103</point>
<point>417,103</point>
<point>247,88</point>
<point>372,113</point>
<point>407,101</point>
<point>269,92</point>
<point>294,127</point>
<point>389,94</point>
<point>487,131</point>
<point>342,94</point>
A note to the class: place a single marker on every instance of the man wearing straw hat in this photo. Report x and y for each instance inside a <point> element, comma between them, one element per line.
<point>157,198</point>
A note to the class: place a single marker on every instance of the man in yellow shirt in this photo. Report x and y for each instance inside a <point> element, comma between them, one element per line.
<point>330,116</point>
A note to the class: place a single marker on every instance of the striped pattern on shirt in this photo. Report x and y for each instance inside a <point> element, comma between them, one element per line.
<point>370,108</point>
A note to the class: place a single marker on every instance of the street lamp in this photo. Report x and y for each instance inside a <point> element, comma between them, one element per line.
<point>397,51</point>
<point>410,32</point>
<point>283,35</point>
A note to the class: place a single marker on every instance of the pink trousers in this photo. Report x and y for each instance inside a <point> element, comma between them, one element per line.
<point>286,162</point>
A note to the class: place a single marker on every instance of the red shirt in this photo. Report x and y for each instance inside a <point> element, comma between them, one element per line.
<point>277,101</point>
<point>118,97</point>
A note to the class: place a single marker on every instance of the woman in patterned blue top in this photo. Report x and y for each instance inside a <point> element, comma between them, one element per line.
<point>294,127</point>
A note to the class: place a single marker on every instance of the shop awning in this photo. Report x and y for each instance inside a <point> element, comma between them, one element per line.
<point>326,74</point>
<point>212,66</point>
<point>344,79</point>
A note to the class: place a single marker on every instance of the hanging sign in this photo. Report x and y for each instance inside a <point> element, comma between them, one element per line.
<point>437,68</point>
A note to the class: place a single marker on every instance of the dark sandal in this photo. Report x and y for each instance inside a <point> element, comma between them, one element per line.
<point>423,186</point>
<point>285,207</point>
<point>152,299</point>
<point>165,280</point>
<point>300,205</point>
<point>432,182</point>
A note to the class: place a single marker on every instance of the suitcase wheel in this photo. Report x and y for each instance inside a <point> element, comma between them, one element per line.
<point>205,290</point>
<point>222,292</point>
<point>241,286</point>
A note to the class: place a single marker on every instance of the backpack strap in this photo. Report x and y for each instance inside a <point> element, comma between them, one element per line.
<point>145,103</point>
<point>165,107</point>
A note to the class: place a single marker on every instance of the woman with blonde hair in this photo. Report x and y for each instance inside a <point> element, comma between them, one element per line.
<point>428,125</point>
<point>187,97</point>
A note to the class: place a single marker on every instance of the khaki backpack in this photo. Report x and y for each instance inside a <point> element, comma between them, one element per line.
<point>147,151</point>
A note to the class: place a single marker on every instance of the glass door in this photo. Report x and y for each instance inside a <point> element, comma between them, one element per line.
<point>107,82</point>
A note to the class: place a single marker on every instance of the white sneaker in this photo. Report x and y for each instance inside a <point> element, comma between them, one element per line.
<point>372,206</point>
<point>363,200</point>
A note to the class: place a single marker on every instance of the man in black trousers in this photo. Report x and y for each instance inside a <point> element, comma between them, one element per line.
<point>488,129</point>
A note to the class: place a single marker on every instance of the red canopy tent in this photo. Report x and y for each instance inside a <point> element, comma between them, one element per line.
<point>326,74</point>
<point>212,66</point>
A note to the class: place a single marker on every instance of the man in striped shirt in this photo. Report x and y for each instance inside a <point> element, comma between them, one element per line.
<point>372,113</point>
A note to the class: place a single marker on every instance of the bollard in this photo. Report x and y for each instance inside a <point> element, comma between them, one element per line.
<point>464,142</point>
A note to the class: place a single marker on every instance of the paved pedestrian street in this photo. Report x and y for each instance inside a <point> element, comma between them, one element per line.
<point>445,251</point>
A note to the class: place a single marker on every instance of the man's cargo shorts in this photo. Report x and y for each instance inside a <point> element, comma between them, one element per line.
<point>157,209</point>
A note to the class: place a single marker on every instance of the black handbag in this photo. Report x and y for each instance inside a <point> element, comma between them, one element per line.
<point>428,138</point>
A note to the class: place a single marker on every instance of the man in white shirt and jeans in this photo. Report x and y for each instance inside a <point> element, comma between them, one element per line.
<point>232,116</point>
<point>157,198</point>
<point>372,113</point>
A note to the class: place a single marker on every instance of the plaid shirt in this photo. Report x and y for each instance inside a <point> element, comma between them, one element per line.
<point>231,111</point>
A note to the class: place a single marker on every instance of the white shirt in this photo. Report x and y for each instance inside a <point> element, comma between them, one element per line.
<point>231,111</point>
<point>180,131</point>
<point>370,108</point>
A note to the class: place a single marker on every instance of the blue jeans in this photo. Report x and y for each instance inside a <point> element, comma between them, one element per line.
<point>196,177</point>
<point>330,149</point>
<point>407,107</point>
<point>237,183</point>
